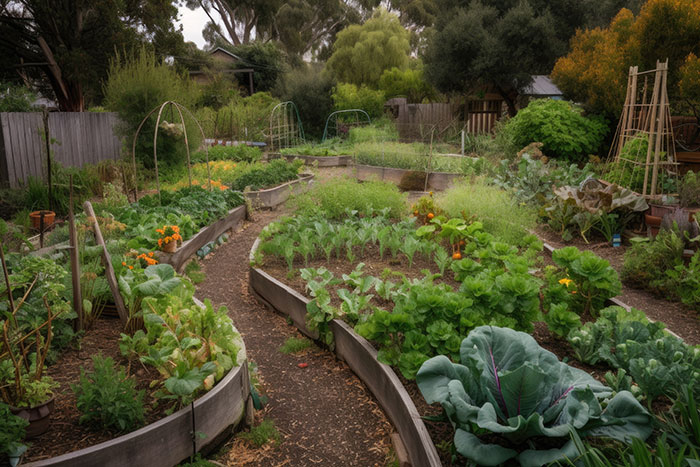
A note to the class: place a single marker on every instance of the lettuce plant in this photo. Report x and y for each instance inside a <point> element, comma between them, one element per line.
<point>508,385</point>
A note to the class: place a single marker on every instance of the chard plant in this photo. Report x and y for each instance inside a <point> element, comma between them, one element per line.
<point>442,259</point>
<point>507,385</point>
<point>409,248</point>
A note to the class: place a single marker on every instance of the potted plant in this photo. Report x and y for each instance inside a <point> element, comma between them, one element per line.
<point>23,386</point>
<point>169,238</point>
<point>36,218</point>
<point>12,432</point>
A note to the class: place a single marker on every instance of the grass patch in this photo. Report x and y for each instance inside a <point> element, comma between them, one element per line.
<point>194,272</point>
<point>262,434</point>
<point>500,214</point>
<point>295,345</point>
<point>337,195</point>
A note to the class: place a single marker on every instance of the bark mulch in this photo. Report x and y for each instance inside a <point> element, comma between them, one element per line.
<point>678,317</point>
<point>324,413</point>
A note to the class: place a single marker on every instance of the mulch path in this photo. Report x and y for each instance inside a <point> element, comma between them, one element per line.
<point>324,413</point>
<point>678,317</point>
<point>65,433</point>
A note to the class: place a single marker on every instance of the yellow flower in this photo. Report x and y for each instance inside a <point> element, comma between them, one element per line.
<point>566,281</point>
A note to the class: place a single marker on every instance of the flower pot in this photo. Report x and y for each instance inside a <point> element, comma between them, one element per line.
<point>169,247</point>
<point>653,223</point>
<point>38,417</point>
<point>49,217</point>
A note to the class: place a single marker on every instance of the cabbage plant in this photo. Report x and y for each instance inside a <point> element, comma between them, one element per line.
<point>508,385</point>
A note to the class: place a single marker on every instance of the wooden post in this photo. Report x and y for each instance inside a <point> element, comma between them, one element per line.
<point>45,116</point>
<point>660,126</point>
<point>652,126</point>
<point>109,269</point>
<point>75,264</point>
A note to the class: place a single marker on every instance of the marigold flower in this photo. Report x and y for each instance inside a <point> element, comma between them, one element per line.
<point>566,281</point>
<point>131,267</point>
<point>123,263</point>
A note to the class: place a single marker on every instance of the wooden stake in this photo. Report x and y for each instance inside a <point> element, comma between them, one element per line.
<point>660,127</point>
<point>75,264</point>
<point>107,261</point>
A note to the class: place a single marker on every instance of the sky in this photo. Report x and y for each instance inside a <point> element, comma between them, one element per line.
<point>192,24</point>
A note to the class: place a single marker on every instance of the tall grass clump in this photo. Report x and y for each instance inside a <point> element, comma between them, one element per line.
<point>337,195</point>
<point>380,130</point>
<point>501,216</point>
<point>139,82</point>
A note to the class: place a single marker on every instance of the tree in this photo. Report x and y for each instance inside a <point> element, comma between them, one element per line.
<point>407,83</point>
<point>300,25</point>
<point>265,58</point>
<point>362,53</point>
<point>482,46</point>
<point>595,71</point>
<point>68,43</point>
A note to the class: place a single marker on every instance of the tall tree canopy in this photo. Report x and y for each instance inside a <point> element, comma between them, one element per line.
<point>302,26</point>
<point>362,53</point>
<point>496,45</point>
<point>68,43</point>
<point>595,70</point>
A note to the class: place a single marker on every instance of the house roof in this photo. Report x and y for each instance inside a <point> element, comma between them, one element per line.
<point>221,49</point>
<point>542,86</point>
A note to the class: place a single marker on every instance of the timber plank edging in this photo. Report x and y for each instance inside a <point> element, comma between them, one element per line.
<point>437,181</point>
<point>168,441</point>
<point>321,161</point>
<point>205,235</point>
<point>273,197</point>
<point>361,357</point>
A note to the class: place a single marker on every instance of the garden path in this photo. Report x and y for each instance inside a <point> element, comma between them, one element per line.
<point>325,415</point>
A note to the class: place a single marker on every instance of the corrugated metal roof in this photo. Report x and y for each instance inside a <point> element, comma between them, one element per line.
<point>542,86</point>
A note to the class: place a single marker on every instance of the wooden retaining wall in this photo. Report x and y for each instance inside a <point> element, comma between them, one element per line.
<point>77,138</point>
<point>273,197</point>
<point>361,357</point>
<point>437,181</point>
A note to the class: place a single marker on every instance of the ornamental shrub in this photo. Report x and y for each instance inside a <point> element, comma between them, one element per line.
<point>107,398</point>
<point>349,96</point>
<point>560,126</point>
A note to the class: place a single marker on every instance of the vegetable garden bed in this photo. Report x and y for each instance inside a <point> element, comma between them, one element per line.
<point>273,197</point>
<point>204,236</point>
<point>319,161</point>
<point>437,181</point>
<point>359,354</point>
<point>170,440</point>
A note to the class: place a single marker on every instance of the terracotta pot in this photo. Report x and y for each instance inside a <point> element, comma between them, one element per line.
<point>49,217</point>
<point>653,223</point>
<point>169,247</point>
<point>38,417</point>
<point>661,210</point>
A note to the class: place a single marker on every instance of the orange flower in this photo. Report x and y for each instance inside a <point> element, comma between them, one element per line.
<point>123,263</point>
<point>131,267</point>
<point>150,254</point>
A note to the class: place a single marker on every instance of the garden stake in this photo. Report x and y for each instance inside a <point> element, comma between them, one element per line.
<point>75,263</point>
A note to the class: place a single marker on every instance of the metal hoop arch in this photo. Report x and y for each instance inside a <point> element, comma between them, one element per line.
<point>360,111</point>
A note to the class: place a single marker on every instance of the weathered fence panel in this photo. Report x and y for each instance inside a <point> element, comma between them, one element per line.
<point>417,122</point>
<point>77,138</point>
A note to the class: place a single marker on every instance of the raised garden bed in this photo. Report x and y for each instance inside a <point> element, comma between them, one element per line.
<point>273,197</point>
<point>319,161</point>
<point>359,354</point>
<point>437,181</point>
<point>201,238</point>
<point>170,440</point>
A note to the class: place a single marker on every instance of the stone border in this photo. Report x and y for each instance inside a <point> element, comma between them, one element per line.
<point>207,234</point>
<point>273,197</point>
<point>319,161</point>
<point>361,357</point>
<point>169,441</point>
<point>437,181</point>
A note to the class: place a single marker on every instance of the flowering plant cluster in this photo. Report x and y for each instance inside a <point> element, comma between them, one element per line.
<point>147,259</point>
<point>169,233</point>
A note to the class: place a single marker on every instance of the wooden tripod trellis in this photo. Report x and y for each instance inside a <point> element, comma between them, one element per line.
<point>286,129</point>
<point>642,156</point>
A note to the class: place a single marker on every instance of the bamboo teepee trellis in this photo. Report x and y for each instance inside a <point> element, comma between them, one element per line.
<point>642,156</point>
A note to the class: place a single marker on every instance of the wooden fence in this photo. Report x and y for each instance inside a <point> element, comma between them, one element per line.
<point>77,138</point>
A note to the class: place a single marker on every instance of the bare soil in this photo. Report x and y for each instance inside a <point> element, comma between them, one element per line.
<point>325,415</point>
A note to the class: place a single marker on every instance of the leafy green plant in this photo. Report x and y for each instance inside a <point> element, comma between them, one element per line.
<point>596,281</point>
<point>560,126</point>
<point>508,385</point>
<point>107,398</point>
<point>238,153</point>
<point>12,432</point>
<point>276,172</point>
<point>646,264</point>
<point>560,320</point>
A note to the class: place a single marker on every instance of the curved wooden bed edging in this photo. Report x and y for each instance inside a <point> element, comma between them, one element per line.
<point>273,197</point>
<point>169,441</point>
<point>205,235</point>
<point>437,181</point>
<point>361,357</point>
<point>320,161</point>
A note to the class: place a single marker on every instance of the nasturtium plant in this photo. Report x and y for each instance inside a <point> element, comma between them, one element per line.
<point>506,384</point>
